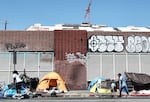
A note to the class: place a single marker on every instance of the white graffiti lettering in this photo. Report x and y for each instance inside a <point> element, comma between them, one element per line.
<point>72,57</point>
<point>101,43</point>
<point>138,44</point>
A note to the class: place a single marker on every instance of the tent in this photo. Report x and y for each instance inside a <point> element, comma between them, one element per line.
<point>99,85</point>
<point>94,81</point>
<point>50,80</point>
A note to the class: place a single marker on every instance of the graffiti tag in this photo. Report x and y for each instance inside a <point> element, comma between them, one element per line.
<point>10,46</point>
<point>72,57</point>
<point>99,43</point>
<point>138,44</point>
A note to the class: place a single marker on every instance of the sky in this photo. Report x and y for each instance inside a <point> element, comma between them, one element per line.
<point>20,14</point>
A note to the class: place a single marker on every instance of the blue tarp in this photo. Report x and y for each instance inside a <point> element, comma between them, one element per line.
<point>9,92</point>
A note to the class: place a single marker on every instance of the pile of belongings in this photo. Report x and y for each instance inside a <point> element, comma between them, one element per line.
<point>140,83</point>
<point>9,91</point>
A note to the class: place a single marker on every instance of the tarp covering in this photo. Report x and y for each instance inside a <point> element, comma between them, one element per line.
<point>139,78</point>
<point>140,81</point>
<point>51,79</point>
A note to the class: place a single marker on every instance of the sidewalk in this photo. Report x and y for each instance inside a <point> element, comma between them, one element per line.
<point>73,94</point>
<point>87,94</point>
<point>77,93</point>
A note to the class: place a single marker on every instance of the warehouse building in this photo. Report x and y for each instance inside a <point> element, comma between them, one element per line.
<point>79,53</point>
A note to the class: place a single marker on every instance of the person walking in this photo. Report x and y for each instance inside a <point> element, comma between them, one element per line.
<point>122,84</point>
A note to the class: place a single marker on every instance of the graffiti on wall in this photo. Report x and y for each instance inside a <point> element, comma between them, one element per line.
<point>134,44</point>
<point>72,57</point>
<point>10,46</point>
<point>99,43</point>
<point>138,44</point>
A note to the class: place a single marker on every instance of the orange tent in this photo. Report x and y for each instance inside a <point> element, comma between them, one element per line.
<point>51,79</point>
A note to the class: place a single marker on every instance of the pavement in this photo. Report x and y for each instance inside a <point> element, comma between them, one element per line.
<point>77,93</point>
<point>86,94</point>
<point>81,95</point>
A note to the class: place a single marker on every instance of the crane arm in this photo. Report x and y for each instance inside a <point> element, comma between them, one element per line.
<point>87,15</point>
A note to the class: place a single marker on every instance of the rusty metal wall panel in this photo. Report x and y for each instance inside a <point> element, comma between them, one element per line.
<point>69,41</point>
<point>74,74</point>
<point>27,40</point>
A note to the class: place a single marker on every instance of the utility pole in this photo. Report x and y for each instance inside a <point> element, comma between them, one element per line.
<point>6,24</point>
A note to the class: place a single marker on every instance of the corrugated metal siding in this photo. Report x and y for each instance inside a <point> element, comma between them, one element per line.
<point>27,40</point>
<point>69,41</point>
